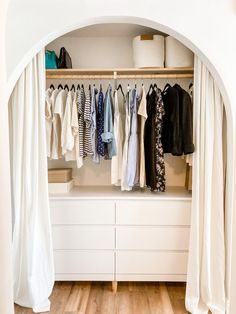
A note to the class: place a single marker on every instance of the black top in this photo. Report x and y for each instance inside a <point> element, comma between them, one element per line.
<point>177,134</point>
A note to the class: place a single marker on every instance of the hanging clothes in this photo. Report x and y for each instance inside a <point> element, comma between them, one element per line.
<point>58,105</point>
<point>48,117</point>
<point>108,134</point>
<point>142,112</point>
<point>124,183</point>
<point>95,156</point>
<point>88,148</point>
<point>133,147</point>
<point>81,107</point>
<point>171,127</point>
<point>67,138</point>
<point>185,144</point>
<point>100,124</point>
<point>154,155</point>
<point>116,162</point>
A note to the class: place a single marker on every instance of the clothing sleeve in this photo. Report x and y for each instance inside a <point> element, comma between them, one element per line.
<point>187,124</point>
<point>74,117</point>
<point>107,135</point>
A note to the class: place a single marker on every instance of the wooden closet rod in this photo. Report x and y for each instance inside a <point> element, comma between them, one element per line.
<point>119,76</point>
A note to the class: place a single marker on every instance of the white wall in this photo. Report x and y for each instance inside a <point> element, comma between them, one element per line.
<point>206,26</point>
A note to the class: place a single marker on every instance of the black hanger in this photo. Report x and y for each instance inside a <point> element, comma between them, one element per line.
<point>100,86</point>
<point>166,87</point>
<point>73,87</point>
<point>155,86</point>
<point>135,86</point>
<point>60,86</point>
<point>120,87</point>
<point>150,87</point>
<point>52,86</point>
<point>190,85</point>
<point>78,86</point>
<point>66,86</point>
<point>82,86</point>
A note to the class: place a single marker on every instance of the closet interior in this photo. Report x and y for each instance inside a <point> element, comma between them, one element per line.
<point>99,231</point>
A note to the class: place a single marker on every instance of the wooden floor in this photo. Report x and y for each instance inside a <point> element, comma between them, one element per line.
<point>131,298</point>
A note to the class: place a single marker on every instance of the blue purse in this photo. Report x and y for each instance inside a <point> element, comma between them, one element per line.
<point>50,59</point>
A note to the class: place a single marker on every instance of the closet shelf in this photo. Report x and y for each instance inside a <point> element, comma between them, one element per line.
<point>126,73</point>
<point>112,192</point>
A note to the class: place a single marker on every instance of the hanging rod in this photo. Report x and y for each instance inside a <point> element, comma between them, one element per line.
<point>120,73</point>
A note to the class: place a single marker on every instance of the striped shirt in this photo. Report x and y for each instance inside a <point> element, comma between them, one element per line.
<point>81,105</point>
<point>88,148</point>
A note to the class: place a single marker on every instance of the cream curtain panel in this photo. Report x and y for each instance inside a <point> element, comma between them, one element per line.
<point>206,266</point>
<point>32,241</point>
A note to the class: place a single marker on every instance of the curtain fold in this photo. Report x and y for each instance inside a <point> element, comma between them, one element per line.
<point>32,241</point>
<point>206,263</point>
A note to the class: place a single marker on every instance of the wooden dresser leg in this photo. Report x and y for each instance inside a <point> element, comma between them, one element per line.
<point>114,286</point>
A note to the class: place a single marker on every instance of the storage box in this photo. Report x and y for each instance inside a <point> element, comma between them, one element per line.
<point>177,55</point>
<point>60,187</point>
<point>60,175</point>
<point>148,51</point>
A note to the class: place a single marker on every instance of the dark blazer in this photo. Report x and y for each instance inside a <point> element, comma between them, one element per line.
<point>177,134</point>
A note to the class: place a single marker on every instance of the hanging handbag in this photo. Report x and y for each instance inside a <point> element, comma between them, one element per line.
<point>64,61</point>
<point>50,59</point>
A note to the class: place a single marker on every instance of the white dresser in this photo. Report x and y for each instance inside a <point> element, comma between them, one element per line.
<point>100,233</point>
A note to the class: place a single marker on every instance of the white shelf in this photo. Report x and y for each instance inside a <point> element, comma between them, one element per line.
<point>111,192</point>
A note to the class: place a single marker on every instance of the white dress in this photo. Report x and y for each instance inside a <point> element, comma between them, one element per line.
<point>48,121</point>
<point>116,162</point>
<point>55,152</point>
<point>67,138</point>
<point>124,184</point>
<point>142,112</point>
<point>75,153</point>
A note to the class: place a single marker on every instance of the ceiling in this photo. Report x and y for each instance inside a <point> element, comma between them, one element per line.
<point>112,30</point>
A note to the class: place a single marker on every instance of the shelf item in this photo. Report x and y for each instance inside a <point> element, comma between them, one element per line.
<point>101,233</point>
<point>126,73</point>
<point>60,187</point>
<point>59,175</point>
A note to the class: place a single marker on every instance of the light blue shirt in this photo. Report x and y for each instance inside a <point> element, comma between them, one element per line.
<point>108,134</point>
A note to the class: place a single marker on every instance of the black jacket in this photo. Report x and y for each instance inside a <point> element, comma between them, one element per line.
<point>177,134</point>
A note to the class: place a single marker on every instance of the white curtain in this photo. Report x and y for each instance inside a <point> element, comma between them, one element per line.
<point>32,241</point>
<point>206,265</point>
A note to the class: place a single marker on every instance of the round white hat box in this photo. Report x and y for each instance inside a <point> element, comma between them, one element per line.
<point>148,51</point>
<point>177,55</point>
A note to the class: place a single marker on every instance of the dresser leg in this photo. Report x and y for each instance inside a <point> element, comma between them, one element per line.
<point>114,286</point>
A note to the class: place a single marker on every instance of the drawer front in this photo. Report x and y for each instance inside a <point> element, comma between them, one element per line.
<point>83,237</point>
<point>151,263</point>
<point>152,238</point>
<point>82,212</point>
<point>84,262</point>
<point>157,212</point>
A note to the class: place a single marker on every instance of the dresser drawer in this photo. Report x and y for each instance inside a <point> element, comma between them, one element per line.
<point>151,262</point>
<point>82,212</point>
<point>83,237</point>
<point>152,238</point>
<point>159,212</point>
<point>84,262</point>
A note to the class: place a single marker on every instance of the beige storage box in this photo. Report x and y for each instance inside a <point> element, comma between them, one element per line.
<point>177,55</point>
<point>60,175</point>
<point>60,187</point>
<point>148,51</point>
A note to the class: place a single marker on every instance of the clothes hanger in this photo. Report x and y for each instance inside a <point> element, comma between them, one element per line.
<point>60,86</point>
<point>120,87</point>
<point>150,87</point>
<point>66,87</point>
<point>73,87</point>
<point>78,86</point>
<point>190,85</point>
<point>52,86</point>
<point>166,87</point>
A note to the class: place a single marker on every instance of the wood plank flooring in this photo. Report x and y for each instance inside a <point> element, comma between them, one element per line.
<point>131,298</point>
